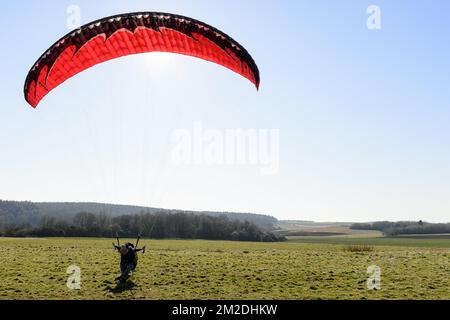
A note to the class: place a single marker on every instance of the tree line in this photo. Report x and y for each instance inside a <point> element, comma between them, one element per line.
<point>404,227</point>
<point>20,212</point>
<point>151,225</point>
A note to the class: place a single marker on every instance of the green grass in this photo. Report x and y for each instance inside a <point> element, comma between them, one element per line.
<point>36,269</point>
<point>375,241</point>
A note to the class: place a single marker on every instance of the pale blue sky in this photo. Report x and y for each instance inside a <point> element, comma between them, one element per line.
<point>363,115</point>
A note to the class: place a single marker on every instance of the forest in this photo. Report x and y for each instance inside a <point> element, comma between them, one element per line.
<point>404,227</point>
<point>26,219</point>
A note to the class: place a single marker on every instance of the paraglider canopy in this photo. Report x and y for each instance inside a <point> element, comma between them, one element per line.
<point>134,33</point>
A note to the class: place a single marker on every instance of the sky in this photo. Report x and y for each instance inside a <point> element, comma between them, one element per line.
<point>357,118</point>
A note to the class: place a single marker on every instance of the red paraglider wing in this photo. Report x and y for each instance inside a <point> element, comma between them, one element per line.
<point>134,33</point>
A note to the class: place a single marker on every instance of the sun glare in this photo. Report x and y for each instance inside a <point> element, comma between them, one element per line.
<point>163,62</point>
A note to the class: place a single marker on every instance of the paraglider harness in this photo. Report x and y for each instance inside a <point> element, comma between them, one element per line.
<point>128,261</point>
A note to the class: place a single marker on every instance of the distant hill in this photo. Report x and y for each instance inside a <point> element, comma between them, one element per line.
<point>404,227</point>
<point>24,212</point>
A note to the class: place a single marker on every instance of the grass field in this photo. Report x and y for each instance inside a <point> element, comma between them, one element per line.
<point>422,242</point>
<point>302,268</point>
